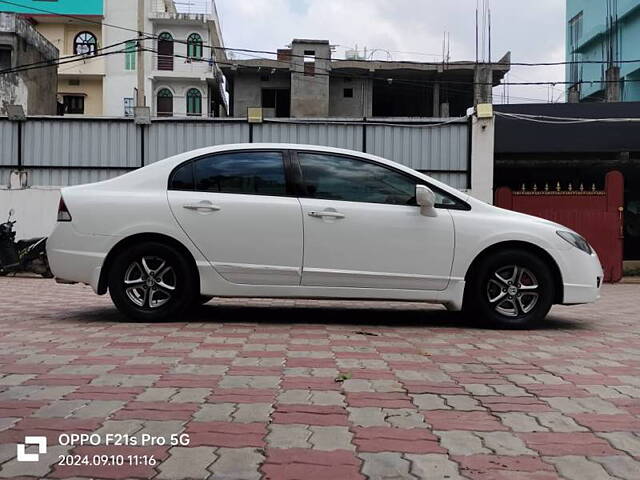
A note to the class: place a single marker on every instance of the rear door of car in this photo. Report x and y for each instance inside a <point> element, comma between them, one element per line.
<point>238,209</point>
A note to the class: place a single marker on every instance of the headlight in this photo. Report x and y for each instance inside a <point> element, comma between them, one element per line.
<point>575,240</point>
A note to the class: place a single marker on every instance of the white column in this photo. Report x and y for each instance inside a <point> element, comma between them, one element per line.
<point>482,163</point>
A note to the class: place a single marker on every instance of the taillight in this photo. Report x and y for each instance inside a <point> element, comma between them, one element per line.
<point>63,212</point>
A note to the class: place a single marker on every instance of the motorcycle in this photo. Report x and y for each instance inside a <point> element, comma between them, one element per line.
<point>22,255</point>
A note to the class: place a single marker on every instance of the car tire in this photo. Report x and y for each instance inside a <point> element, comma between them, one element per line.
<point>510,289</point>
<point>152,282</point>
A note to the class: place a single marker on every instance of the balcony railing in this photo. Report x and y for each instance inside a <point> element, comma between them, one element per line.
<point>195,67</point>
<point>205,7</point>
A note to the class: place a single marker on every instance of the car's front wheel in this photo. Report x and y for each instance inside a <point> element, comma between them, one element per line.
<point>152,282</point>
<point>510,289</point>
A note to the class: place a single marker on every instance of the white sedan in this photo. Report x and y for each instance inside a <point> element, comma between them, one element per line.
<point>291,221</point>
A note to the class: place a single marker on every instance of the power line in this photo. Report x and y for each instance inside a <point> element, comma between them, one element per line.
<point>421,83</point>
<point>73,17</point>
<point>247,50</point>
<point>67,59</point>
<point>72,60</point>
<point>563,120</point>
<point>58,61</point>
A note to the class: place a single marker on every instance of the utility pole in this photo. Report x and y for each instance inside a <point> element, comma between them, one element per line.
<point>613,93</point>
<point>140,102</point>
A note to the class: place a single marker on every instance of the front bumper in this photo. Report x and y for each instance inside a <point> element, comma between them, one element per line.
<point>582,276</point>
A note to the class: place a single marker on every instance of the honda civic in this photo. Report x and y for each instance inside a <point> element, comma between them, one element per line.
<point>301,221</point>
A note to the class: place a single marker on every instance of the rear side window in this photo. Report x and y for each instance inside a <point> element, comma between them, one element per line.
<point>182,178</point>
<point>253,173</point>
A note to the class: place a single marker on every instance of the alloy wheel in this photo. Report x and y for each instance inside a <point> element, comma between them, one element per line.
<point>150,282</point>
<point>513,290</point>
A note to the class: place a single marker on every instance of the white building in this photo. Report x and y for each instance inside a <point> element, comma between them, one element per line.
<point>181,76</point>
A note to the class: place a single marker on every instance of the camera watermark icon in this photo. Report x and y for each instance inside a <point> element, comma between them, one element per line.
<point>23,456</point>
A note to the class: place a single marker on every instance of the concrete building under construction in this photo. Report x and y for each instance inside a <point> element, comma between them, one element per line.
<point>305,81</point>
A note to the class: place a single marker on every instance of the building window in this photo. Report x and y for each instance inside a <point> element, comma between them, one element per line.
<point>5,57</point>
<point>128,106</point>
<point>194,102</point>
<point>130,56</point>
<point>278,99</point>
<point>164,105</point>
<point>165,51</point>
<point>309,63</point>
<point>348,93</point>
<point>194,46</point>
<point>575,33</point>
<point>85,43</point>
<point>73,104</point>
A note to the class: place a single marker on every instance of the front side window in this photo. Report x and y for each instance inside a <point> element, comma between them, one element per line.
<point>85,43</point>
<point>252,173</point>
<point>332,177</point>
<point>194,46</point>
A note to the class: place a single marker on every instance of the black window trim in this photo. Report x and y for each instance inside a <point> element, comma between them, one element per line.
<point>77,43</point>
<point>286,165</point>
<point>464,206</point>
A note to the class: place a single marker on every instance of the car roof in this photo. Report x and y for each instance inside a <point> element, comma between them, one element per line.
<point>156,173</point>
<point>177,159</point>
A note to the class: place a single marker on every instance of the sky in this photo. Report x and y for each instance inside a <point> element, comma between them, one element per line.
<point>533,30</point>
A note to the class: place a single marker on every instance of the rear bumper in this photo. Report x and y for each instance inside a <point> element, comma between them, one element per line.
<point>75,257</point>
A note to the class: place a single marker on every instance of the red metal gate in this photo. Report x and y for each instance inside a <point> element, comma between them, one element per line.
<point>594,214</point>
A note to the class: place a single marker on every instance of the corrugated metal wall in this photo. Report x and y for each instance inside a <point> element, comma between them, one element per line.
<point>169,137</point>
<point>72,151</point>
<point>340,135</point>
<point>422,148</point>
<point>80,143</point>
<point>8,142</point>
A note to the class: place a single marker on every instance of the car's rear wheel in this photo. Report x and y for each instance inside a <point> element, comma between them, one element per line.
<point>510,289</point>
<point>152,282</point>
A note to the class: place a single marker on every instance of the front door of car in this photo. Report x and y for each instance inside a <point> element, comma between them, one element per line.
<point>236,209</point>
<point>363,229</point>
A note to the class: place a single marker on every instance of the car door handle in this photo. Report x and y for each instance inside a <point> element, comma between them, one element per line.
<point>326,214</point>
<point>202,206</point>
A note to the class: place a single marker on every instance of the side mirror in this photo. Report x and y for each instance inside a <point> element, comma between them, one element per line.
<point>426,199</point>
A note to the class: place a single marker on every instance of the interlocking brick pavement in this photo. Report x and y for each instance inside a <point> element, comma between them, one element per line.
<point>293,389</point>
